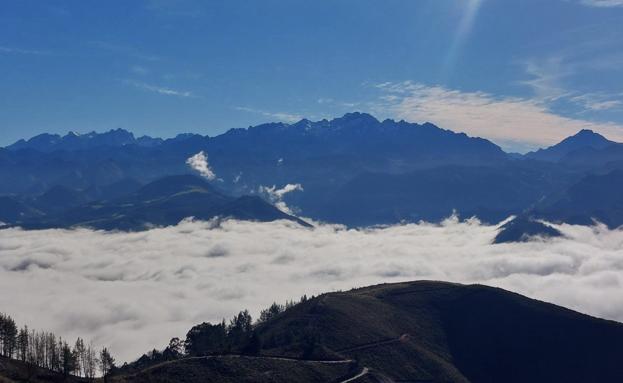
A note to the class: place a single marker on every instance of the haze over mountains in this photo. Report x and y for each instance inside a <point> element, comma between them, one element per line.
<point>399,171</point>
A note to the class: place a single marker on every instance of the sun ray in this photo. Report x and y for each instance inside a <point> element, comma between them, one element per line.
<point>464,28</point>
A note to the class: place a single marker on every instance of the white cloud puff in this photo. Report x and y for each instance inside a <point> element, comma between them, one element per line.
<point>134,291</point>
<point>199,162</point>
<point>276,195</point>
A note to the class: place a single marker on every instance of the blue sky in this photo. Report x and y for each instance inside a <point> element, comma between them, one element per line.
<point>524,73</point>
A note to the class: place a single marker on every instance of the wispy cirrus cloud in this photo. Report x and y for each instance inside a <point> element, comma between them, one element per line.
<point>19,51</point>
<point>551,78</point>
<point>599,101</point>
<point>546,78</point>
<point>511,122</point>
<point>548,85</point>
<point>603,3</point>
<point>160,89</point>
<point>281,116</point>
<point>139,70</point>
<point>565,79</point>
<point>125,50</point>
<point>178,8</point>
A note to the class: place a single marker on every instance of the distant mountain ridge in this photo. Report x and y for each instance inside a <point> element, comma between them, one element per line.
<point>522,229</point>
<point>354,170</point>
<point>340,135</point>
<point>584,139</point>
<point>74,141</point>
<point>164,202</point>
<point>362,124</point>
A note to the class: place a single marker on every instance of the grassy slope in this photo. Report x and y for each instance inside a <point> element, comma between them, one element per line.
<point>418,331</point>
<point>13,371</point>
<point>240,370</point>
<point>434,331</point>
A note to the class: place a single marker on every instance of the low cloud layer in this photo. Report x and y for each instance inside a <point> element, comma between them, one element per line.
<point>134,291</point>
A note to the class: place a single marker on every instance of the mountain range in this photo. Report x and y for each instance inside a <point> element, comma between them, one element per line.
<point>353,170</point>
<point>164,202</point>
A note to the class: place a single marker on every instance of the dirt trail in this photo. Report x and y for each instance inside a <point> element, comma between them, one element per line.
<point>401,339</point>
<point>363,372</point>
<point>280,358</point>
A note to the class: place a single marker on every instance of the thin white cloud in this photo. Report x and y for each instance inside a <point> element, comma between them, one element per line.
<point>139,69</point>
<point>124,50</point>
<point>280,116</point>
<point>160,89</point>
<point>603,3</point>
<point>546,78</point>
<point>237,178</point>
<point>325,100</point>
<point>599,101</point>
<point>176,8</point>
<point>134,291</point>
<point>276,195</point>
<point>9,50</point>
<point>505,120</point>
<point>199,162</point>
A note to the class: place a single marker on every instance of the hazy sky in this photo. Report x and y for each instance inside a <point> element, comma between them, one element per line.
<point>521,72</point>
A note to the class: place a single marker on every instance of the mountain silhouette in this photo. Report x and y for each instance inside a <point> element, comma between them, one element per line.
<point>164,202</point>
<point>584,139</point>
<point>595,197</point>
<point>396,170</point>
<point>524,229</point>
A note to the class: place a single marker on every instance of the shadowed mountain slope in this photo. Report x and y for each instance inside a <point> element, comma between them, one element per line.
<point>267,154</point>
<point>421,331</point>
<point>442,332</point>
<point>595,197</point>
<point>490,193</point>
<point>13,210</point>
<point>522,229</point>
<point>164,202</point>
<point>397,171</point>
<point>242,369</point>
<point>608,158</point>
<point>14,371</point>
<point>584,139</point>
<point>408,332</point>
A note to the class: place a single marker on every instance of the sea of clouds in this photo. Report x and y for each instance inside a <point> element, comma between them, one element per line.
<point>135,291</point>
